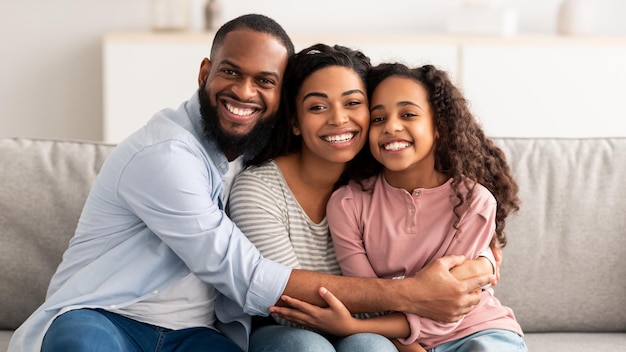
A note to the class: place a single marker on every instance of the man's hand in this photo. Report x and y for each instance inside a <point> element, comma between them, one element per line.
<point>444,298</point>
<point>496,248</point>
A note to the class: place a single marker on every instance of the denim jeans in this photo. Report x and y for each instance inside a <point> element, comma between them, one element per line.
<point>485,341</point>
<point>279,338</point>
<point>97,330</point>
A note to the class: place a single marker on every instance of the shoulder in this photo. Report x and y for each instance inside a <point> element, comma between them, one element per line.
<point>355,190</point>
<point>482,197</point>
<point>267,172</point>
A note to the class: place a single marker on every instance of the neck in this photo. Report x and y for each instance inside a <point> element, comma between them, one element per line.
<point>410,179</point>
<point>231,155</point>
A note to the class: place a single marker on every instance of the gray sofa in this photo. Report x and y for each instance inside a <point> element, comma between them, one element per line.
<point>564,270</point>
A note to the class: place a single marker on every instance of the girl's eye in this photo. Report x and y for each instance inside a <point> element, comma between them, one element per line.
<point>408,115</point>
<point>377,119</point>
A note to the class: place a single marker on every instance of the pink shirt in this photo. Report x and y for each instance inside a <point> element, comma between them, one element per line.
<point>388,232</point>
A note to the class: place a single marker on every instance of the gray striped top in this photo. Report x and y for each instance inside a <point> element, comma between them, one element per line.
<point>265,209</point>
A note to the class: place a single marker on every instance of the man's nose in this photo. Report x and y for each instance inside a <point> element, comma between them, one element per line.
<point>245,89</point>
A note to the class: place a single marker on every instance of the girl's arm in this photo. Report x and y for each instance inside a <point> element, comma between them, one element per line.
<point>337,320</point>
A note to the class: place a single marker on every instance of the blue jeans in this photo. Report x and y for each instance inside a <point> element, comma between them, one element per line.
<point>96,330</point>
<point>485,341</point>
<point>279,338</point>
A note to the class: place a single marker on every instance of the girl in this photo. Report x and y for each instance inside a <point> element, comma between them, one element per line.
<point>431,191</point>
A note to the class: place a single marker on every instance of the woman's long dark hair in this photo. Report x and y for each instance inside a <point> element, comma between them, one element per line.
<point>299,67</point>
<point>462,152</point>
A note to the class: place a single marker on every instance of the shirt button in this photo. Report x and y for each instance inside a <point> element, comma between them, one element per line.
<point>113,306</point>
<point>416,193</point>
<point>155,292</point>
<point>411,210</point>
<point>411,228</point>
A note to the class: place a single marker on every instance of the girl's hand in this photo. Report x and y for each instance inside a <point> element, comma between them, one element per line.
<point>334,319</point>
<point>414,347</point>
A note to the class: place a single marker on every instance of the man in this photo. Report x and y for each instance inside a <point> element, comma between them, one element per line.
<point>155,263</point>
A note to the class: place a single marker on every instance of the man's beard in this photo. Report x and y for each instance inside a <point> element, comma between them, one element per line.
<point>250,143</point>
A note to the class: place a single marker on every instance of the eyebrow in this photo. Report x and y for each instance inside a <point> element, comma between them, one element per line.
<point>324,95</point>
<point>264,73</point>
<point>400,103</point>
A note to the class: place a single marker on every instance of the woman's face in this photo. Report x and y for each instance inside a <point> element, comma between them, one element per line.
<point>402,131</point>
<point>332,114</point>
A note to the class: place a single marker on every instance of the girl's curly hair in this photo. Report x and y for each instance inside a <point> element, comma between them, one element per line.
<point>462,152</point>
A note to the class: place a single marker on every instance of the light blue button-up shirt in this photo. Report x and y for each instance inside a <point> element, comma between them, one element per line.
<point>155,214</point>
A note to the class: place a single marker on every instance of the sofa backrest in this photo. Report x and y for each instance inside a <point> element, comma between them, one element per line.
<point>43,186</point>
<point>564,268</point>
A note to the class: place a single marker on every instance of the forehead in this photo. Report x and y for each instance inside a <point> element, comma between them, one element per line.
<point>252,51</point>
<point>332,79</point>
<point>398,88</point>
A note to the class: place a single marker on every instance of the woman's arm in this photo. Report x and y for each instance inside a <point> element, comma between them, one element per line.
<point>337,320</point>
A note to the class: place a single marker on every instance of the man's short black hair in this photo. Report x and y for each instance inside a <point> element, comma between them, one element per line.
<point>254,22</point>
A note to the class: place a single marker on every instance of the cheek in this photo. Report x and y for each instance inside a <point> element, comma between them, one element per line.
<point>272,100</point>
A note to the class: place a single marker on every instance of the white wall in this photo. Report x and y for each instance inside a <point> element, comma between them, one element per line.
<point>51,69</point>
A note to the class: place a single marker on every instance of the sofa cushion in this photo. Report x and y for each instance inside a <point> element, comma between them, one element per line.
<point>44,186</point>
<point>564,268</point>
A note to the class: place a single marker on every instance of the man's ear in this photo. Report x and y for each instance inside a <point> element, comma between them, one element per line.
<point>205,68</point>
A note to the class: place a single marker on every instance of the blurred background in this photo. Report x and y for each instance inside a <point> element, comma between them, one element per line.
<point>51,82</point>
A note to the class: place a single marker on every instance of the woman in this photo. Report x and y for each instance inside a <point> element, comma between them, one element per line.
<point>280,202</point>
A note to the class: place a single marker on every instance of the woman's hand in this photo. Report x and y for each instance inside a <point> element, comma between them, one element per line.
<point>335,318</point>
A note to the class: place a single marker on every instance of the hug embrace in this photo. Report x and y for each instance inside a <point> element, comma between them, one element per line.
<point>161,259</point>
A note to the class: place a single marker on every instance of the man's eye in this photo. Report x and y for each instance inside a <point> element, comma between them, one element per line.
<point>229,72</point>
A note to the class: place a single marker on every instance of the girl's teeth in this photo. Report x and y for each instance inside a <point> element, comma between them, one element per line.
<point>396,146</point>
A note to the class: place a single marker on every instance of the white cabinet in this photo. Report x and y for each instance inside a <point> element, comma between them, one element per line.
<point>517,87</point>
<point>144,72</point>
<point>547,88</point>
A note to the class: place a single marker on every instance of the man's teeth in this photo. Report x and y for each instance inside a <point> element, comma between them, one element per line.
<point>239,111</point>
<point>339,138</point>
<point>396,145</point>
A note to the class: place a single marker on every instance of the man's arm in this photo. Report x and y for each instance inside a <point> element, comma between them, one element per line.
<point>432,293</point>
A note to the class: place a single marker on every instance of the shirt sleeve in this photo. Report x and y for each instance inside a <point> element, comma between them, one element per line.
<point>175,192</point>
<point>343,212</point>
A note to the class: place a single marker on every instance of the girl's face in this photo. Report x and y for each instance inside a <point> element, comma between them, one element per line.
<point>332,113</point>
<point>402,133</point>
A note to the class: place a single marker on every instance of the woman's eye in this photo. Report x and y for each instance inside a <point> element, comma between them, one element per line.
<point>377,119</point>
<point>354,103</point>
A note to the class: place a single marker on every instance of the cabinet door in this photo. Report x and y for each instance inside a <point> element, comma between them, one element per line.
<point>141,78</point>
<point>444,56</point>
<point>533,90</point>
